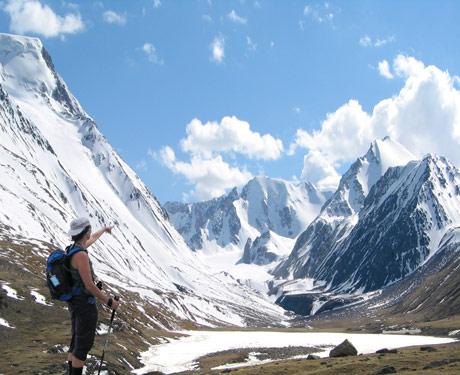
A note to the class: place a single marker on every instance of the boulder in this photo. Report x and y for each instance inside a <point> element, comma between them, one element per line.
<point>312,356</point>
<point>344,349</point>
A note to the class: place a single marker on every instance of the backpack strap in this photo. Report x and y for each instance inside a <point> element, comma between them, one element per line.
<point>71,251</point>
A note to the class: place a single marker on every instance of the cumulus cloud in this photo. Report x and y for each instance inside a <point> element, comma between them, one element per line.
<point>31,16</point>
<point>206,145</point>
<point>217,49</point>
<point>316,167</point>
<point>234,17</point>
<point>151,53</point>
<point>112,17</point>
<point>230,135</point>
<point>210,177</point>
<point>384,69</point>
<point>424,116</point>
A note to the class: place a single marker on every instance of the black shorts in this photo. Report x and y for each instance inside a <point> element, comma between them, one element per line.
<point>83,315</point>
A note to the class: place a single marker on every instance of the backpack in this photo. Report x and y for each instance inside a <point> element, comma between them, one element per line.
<point>58,277</point>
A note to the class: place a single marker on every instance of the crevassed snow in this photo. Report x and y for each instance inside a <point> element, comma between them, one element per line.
<point>181,354</point>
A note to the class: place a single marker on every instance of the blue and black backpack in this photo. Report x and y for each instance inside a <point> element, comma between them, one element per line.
<point>58,277</point>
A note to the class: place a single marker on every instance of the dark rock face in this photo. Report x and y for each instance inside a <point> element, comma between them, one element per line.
<point>218,216</point>
<point>299,303</point>
<point>60,93</point>
<point>344,349</point>
<point>256,252</point>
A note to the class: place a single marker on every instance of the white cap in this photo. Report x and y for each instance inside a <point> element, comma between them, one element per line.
<point>78,225</point>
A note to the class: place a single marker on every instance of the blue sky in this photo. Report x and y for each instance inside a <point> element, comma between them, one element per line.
<point>145,69</point>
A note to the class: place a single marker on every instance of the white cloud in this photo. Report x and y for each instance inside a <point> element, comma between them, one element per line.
<point>151,53</point>
<point>112,17</point>
<point>318,168</point>
<point>367,41</point>
<point>252,46</point>
<point>234,17</point>
<point>210,177</point>
<point>230,135</point>
<point>206,145</point>
<point>384,69</point>
<point>406,66</point>
<point>217,49</point>
<point>31,16</point>
<point>156,3</point>
<point>424,116</point>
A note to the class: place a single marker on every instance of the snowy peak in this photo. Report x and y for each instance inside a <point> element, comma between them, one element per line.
<point>281,206</point>
<point>26,70</point>
<point>404,218</point>
<point>385,153</point>
<point>267,214</point>
<point>356,183</point>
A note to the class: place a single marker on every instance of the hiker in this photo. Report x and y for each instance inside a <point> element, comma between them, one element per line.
<point>82,307</point>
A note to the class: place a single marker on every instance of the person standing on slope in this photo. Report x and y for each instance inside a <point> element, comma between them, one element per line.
<point>82,306</point>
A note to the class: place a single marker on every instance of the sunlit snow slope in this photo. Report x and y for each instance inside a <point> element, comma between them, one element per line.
<point>56,165</point>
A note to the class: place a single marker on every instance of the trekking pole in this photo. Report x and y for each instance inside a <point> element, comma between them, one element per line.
<point>107,338</point>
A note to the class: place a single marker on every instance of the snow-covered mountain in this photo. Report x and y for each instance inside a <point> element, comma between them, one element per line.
<point>340,213</point>
<point>55,165</point>
<point>404,217</point>
<point>396,230</point>
<point>267,212</point>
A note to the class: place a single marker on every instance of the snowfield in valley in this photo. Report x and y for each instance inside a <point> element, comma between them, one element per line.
<point>181,354</point>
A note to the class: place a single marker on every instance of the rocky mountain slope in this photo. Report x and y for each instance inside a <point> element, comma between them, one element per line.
<point>397,229</point>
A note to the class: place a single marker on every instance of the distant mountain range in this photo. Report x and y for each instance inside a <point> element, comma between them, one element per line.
<point>265,216</point>
<point>384,222</point>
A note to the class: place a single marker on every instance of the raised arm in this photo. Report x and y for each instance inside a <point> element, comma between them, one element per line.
<point>95,236</point>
